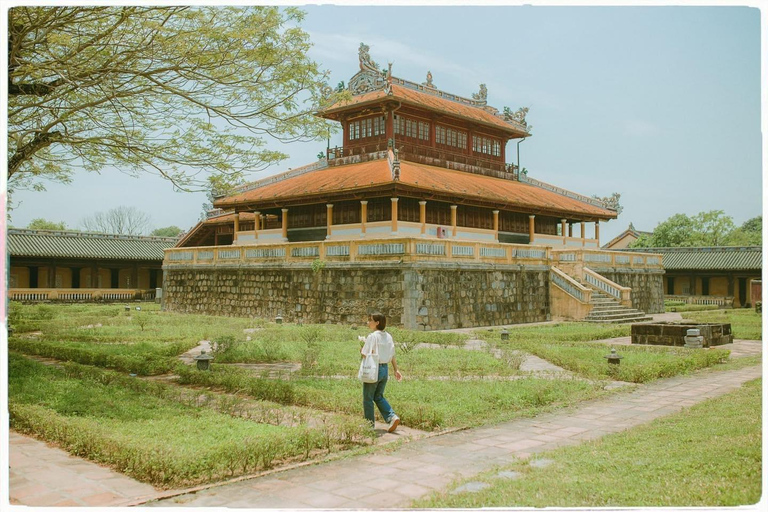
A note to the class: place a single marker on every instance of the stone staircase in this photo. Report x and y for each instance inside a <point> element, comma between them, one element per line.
<point>607,310</point>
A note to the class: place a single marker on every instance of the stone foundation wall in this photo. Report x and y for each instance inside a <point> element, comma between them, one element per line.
<point>647,287</point>
<point>416,296</point>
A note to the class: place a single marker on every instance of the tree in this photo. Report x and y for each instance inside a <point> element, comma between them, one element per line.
<point>183,92</point>
<point>47,224</point>
<point>705,229</point>
<point>123,220</point>
<point>749,233</point>
<point>170,231</point>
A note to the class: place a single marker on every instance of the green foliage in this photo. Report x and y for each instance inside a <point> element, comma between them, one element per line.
<point>224,344</point>
<point>138,363</point>
<point>177,91</point>
<point>749,233</point>
<point>47,225</point>
<point>707,456</point>
<point>170,231</point>
<point>312,336</point>
<point>705,229</point>
<point>238,380</point>
<point>318,265</point>
<point>679,308</point>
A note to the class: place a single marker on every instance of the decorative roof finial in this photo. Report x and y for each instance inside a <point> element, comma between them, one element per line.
<point>366,63</point>
<point>482,95</point>
<point>429,83</point>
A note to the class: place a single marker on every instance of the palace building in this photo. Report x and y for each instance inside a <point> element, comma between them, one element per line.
<point>420,181</point>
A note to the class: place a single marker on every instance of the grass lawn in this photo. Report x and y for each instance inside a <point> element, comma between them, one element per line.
<point>564,345</point>
<point>93,408</point>
<point>707,456</point>
<point>746,324</point>
<point>153,439</point>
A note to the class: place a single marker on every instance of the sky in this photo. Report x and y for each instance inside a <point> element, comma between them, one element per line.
<point>660,104</point>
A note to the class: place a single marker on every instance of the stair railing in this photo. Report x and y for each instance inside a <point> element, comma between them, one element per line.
<point>621,293</point>
<point>569,299</point>
<point>569,285</point>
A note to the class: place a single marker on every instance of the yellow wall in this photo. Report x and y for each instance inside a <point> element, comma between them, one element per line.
<point>19,277</point>
<point>718,286</point>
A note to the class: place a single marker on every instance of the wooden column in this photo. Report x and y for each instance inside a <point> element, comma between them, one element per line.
<point>597,233</point>
<point>237,228</point>
<point>329,219</point>
<point>423,217</point>
<point>583,233</point>
<point>394,214</point>
<point>531,228</point>
<point>432,132</point>
<point>563,229</point>
<point>454,227</point>
<point>135,276</point>
<point>363,215</point>
<point>496,224</point>
<point>256,221</point>
<point>285,224</point>
<point>570,230</point>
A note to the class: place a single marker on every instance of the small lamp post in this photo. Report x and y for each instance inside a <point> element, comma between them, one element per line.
<point>278,319</point>
<point>127,308</point>
<point>504,335</point>
<point>613,357</point>
<point>203,361</point>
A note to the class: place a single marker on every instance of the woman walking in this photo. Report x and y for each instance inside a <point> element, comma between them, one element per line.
<point>380,341</point>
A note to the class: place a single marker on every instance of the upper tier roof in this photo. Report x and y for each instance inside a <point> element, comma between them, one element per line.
<point>372,86</point>
<point>417,180</point>
<point>430,101</point>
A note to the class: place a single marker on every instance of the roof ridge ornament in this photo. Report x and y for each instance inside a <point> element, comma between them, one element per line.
<point>370,77</point>
<point>481,96</point>
<point>429,83</point>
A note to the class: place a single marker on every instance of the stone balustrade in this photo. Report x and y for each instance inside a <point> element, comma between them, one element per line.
<point>79,294</point>
<point>600,258</point>
<point>406,249</point>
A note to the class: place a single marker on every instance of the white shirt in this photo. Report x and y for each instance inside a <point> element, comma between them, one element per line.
<point>385,345</point>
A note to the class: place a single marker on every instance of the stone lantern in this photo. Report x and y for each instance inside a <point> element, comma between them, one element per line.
<point>504,335</point>
<point>613,357</point>
<point>278,319</point>
<point>203,361</point>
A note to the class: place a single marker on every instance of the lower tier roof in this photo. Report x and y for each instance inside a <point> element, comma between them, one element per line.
<point>374,178</point>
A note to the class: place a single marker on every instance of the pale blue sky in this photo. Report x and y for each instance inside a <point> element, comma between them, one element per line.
<point>660,104</point>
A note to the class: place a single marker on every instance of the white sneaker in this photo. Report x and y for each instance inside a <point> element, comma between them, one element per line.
<point>393,424</point>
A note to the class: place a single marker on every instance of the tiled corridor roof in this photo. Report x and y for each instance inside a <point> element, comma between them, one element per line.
<point>73,244</point>
<point>709,258</point>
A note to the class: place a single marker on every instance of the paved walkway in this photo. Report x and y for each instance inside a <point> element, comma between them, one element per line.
<point>391,478</point>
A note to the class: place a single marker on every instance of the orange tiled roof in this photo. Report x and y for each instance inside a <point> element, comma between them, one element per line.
<point>323,184</point>
<point>229,218</point>
<point>432,102</point>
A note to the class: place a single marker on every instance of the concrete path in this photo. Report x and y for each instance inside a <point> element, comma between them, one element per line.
<point>390,478</point>
<point>44,476</point>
